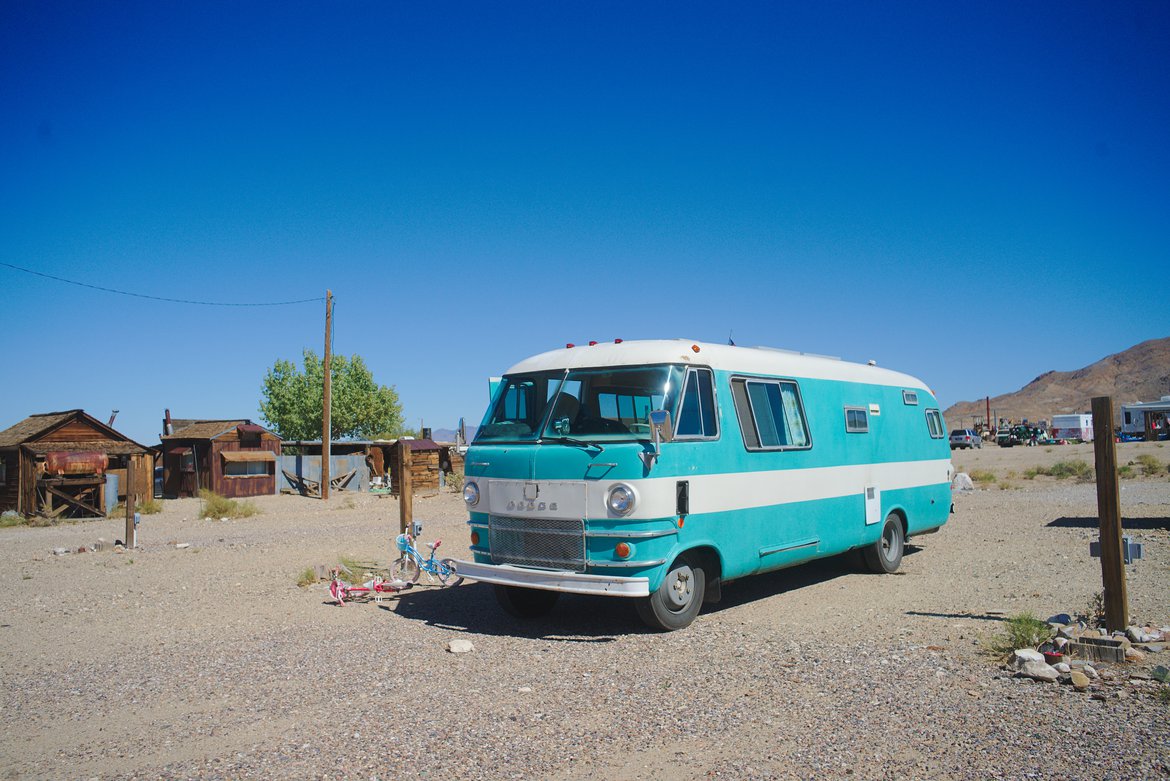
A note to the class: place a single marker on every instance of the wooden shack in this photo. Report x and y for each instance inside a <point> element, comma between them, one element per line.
<point>233,458</point>
<point>56,464</point>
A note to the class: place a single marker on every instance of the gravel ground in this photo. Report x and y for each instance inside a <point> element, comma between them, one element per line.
<point>209,662</point>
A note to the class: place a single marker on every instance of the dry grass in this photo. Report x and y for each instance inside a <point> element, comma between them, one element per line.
<point>216,506</point>
<point>982,476</point>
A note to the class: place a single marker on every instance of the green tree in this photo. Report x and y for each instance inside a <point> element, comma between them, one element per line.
<point>362,409</point>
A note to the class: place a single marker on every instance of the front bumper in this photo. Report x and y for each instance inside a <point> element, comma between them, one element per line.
<point>554,580</point>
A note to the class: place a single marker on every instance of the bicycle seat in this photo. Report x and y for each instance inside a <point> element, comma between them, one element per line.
<point>434,545</point>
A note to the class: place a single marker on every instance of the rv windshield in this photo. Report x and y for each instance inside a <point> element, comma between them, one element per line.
<point>607,404</point>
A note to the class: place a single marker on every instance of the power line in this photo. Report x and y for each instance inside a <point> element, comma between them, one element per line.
<point>156,298</point>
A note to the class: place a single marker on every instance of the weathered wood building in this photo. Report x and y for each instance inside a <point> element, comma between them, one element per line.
<point>233,458</point>
<point>57,463</point>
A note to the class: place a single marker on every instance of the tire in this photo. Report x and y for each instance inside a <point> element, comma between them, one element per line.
<point>676,603</point>
<point>885,555</point>
<point>405,568</point>
<point>448,575</point>
<point>520,602</point>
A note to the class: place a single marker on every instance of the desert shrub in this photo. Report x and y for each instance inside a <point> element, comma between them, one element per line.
<point>307,577</point>
<point>1063,469</point>
<point>10,518</point>
<point>982,476</point>
<point>1019,631</point>
<point>1125,471</point>
<point>1149,464</point>
<point>454,481</point>
<point>216,506</point>
<point>1031,472</point>
<point>149,506</point>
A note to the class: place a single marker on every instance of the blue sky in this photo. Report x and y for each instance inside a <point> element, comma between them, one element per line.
<point>971,193</point>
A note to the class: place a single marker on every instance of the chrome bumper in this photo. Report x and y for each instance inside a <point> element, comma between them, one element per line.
<point>554,580</point>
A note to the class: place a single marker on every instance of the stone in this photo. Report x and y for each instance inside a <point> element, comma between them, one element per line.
<point>1138,675</point>
<point>181,545</point>
<point>1067,632</point>
<point>1138,635</point>
<point>1080,681</point>
<point>60,551</point>
<point>1060,619</point>
<point>460,646</point>
<point>962,483</point>
<point>1031,664</point>
<point>1134,655</point>
<point>1062,667</point>
<point>1154,648</point>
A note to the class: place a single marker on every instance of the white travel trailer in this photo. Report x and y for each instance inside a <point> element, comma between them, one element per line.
<point>1070,427</point>
<point>1133,417</point>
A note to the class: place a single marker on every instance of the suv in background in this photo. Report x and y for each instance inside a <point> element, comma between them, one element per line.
<point>965,438</point>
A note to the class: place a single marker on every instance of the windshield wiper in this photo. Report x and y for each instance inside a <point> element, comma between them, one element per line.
<point>577,442</point>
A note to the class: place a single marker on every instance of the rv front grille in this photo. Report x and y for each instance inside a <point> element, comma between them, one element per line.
<point>537,542</point>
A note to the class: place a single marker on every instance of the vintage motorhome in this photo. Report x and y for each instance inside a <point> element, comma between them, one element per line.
<point>659,470</point>
<point>1078,427</point>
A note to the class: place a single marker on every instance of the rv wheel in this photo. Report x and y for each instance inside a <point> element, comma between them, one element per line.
<point>522,602</point>
<point>885,555</point>
<point>677,601</point>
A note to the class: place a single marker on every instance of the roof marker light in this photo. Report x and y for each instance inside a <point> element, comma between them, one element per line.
<point>569,346</point>
<point>592,343</point>
<point>617,341</point>
<point>695,347</point>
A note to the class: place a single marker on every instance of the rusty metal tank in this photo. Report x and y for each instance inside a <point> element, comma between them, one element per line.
<point>76,463</point>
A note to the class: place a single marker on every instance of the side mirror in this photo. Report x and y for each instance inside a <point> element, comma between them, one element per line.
<point>461,433</point>
<point>661,430</point>
<point>661,426</point>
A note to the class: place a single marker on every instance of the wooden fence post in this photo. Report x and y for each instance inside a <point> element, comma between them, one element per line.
<point>405,489</point>
<point>131,538</point>
<point>1109,516</point>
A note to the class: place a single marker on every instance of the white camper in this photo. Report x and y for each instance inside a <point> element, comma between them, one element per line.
<point>1073,427</point>
<point>1133,417</point>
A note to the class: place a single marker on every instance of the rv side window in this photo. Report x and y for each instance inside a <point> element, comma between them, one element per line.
<point>1128,419</point>
<point>856,420</point>
<point>696,412</point>
<point>771,416</point>
<point>934,424</point>
<point>910,398</point>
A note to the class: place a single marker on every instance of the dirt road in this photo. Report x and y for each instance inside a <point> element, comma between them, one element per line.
<point>210,662</point>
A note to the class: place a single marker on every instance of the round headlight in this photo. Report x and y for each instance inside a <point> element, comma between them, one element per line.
<point>471,494</point>
<point>621,499</point>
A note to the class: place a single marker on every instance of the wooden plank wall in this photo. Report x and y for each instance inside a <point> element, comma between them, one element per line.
<point>10,490</point>
<point>76,430</point>
<point>251,485</point>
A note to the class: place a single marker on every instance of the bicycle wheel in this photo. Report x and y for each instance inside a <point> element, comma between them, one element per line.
<point>448,576</point>
<point>405,568</point>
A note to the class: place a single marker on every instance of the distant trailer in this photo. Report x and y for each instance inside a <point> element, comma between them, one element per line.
<point>1073,427</point>
<point>1139,418</point>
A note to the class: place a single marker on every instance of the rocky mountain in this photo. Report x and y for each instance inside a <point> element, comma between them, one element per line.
<point>1141,373</point>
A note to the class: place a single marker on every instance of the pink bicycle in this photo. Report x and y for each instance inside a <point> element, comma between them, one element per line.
<point>377,587</point>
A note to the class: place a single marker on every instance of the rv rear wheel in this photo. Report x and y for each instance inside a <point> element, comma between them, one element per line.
<point>677,601</point>
<point>521,602</point>
<point>885,555</point>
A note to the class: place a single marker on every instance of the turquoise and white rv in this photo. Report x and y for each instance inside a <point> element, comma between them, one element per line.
<point>659,470</point>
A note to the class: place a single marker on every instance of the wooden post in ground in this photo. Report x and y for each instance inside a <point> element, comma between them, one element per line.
<point>405,489</point>
<point>1109,516</point>
<point>131,538</point>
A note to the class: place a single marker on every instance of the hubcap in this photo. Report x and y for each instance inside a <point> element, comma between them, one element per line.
<point>682,587</point>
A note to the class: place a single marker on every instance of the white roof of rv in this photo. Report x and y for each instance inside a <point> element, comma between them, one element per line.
<point>749,360</point>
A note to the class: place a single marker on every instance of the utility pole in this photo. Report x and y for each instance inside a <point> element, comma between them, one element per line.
<point>327,402</point>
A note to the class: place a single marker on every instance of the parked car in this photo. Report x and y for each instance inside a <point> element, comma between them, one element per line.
<point>965,438</point>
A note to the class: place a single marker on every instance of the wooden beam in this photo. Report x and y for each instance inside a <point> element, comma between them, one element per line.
<point>131,537</point>
<point>75,501</point>
<point>1109,516</point>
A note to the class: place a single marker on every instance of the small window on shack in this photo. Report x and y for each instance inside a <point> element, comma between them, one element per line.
<point>245,468</point>
<point>856,420</point>
<point>3,471</point>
